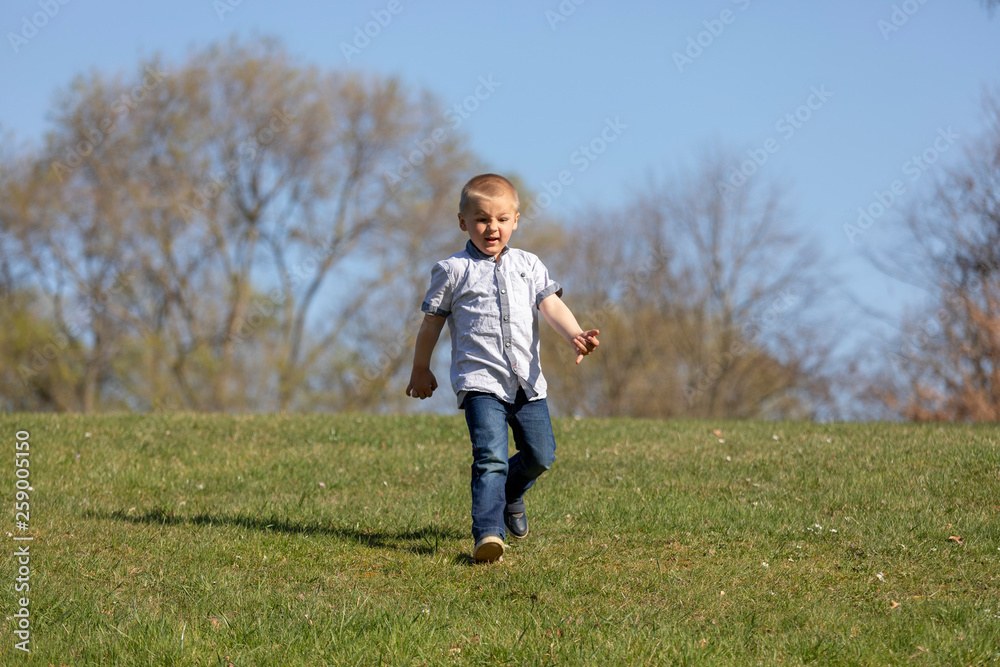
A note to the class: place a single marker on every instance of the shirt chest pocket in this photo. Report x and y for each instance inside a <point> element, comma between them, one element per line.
<point>521,296</point>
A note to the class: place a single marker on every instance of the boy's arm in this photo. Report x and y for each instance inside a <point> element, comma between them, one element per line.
<point>422,381</point>
<point>561,318</point>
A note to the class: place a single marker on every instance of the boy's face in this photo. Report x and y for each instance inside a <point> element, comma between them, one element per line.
<point>490,222</point>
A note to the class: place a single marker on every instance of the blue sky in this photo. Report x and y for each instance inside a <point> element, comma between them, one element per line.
<point>562,71</point>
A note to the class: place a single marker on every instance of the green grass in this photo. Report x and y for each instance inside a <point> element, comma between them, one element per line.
<point>210,540</point>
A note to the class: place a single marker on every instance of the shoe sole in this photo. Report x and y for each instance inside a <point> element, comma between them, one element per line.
<point>487,552</point>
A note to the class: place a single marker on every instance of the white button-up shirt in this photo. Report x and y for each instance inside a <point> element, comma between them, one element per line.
<point>492,310</point>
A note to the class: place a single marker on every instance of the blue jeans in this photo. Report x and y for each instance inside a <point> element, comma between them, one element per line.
<point>499,483</point>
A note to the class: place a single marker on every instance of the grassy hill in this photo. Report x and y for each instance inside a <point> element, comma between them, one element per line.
<point>285,540</point>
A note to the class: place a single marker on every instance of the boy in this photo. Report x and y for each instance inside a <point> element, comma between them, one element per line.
<point>488,294</point>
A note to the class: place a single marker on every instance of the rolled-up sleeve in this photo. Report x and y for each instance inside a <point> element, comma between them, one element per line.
<point>544,285</point>
<point>439,294</point>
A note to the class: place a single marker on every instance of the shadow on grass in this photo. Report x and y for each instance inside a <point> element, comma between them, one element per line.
<point>464,559</point>
<point>424,541</point>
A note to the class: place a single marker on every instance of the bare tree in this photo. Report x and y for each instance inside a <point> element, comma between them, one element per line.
<point>229,220</point>
<point>51,236</point>
<point>707,300</point>
<point>38,369</point>
<point>946,359</point>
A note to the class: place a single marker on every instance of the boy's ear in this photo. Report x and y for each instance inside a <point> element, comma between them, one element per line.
<point>461,223</point>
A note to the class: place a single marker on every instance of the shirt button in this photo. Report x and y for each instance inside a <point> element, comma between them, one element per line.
<point>506,344</point>
<point>505,318</point>
<point>503,291</point>
<point>522,275</point>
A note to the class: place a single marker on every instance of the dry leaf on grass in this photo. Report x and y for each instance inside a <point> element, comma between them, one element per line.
<point>717,433</point>
<point>893,605</point>
<point>956,538</point>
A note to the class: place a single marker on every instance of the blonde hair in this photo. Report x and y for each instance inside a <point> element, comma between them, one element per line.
<point>488,186</point>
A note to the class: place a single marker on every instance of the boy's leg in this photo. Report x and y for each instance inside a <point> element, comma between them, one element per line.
<point>536,448</point>
<point>486,416</point>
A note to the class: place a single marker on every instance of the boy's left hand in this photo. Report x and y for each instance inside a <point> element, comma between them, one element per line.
<point>585,343</point>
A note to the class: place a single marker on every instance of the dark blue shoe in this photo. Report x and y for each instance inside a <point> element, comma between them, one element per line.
<point>516,519</point>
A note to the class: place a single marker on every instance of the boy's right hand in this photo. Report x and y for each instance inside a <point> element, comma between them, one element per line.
<point>422,383</point>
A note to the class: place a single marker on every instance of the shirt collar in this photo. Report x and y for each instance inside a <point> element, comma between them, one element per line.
<point>476,253</point>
